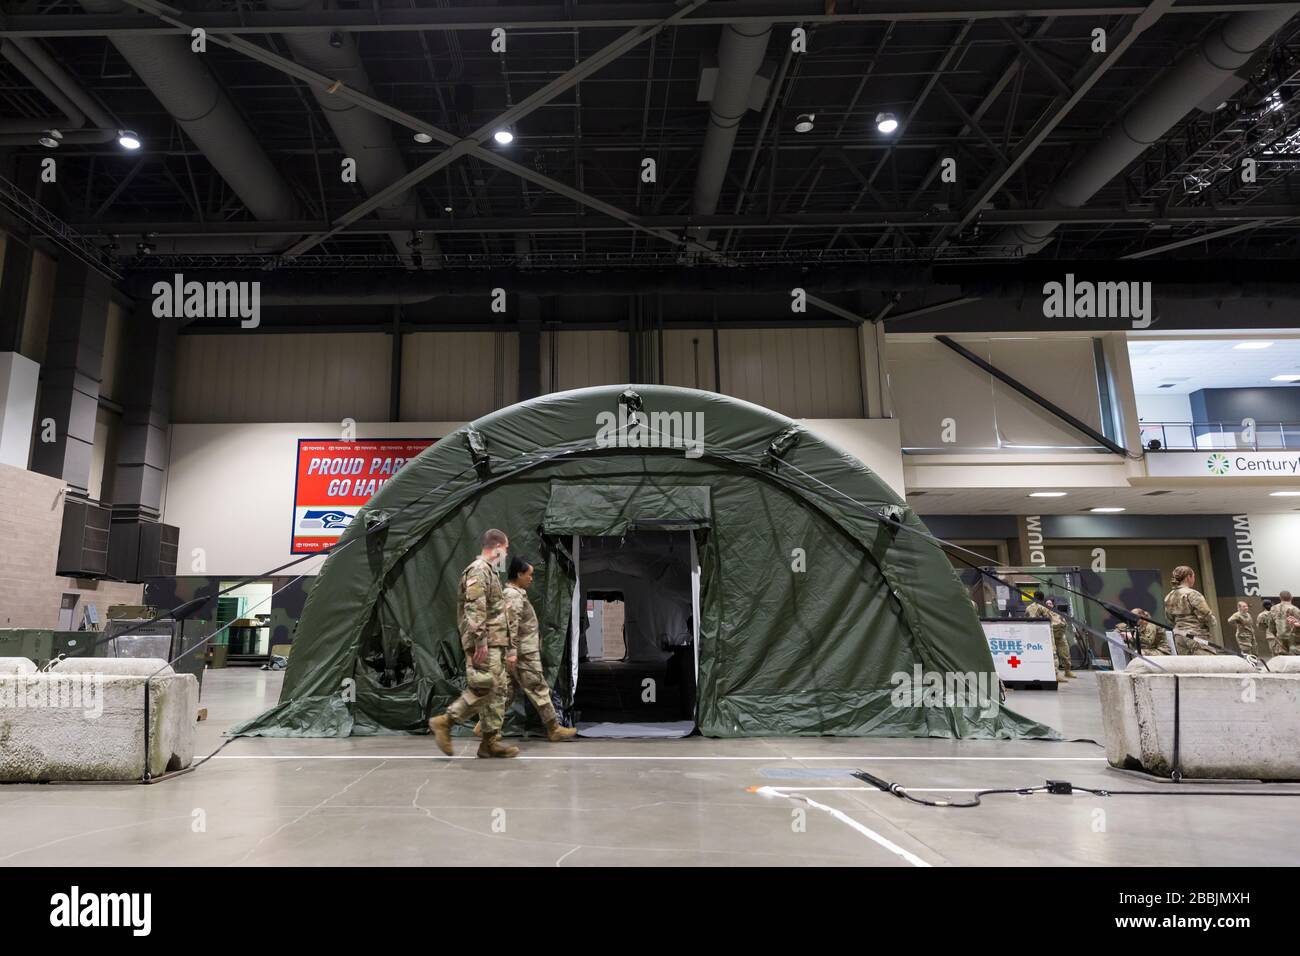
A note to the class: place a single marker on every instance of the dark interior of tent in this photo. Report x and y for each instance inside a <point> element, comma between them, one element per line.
<point>636,664</point>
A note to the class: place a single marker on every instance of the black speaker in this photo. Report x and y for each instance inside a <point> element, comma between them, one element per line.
<point>158,544</point>
<point>83,542</point>
<point>143,549</point>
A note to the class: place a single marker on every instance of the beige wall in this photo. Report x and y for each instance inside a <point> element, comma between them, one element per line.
<point>229,489</point>
<point>252,376</point>
<point>930,383</point>
<point>31,517</point>
<point>230,486</point>
<point>457,375</point>
<point>802,372</point>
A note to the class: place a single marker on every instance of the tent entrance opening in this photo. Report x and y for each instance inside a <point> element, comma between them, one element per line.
<point>636,632</point>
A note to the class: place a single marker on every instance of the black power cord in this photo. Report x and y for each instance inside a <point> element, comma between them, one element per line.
<point>1063,788</point>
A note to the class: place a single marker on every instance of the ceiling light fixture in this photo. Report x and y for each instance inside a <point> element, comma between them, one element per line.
<point>1253,345</point>
<point>50,139</point>
<point>423,137</point>
<point>804,123</point>
<point>1285,378</point>
<point>128,139</point>
<point>1048,494</point>
<point>886,122</point>
<point>1106,511</point>
<point>504,137</point>
<point>1284,494</point>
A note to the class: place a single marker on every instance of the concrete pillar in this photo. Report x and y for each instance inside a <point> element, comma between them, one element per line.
<point>149,345</point>
<point>1029,539</point>
<point>70,384</point>
<point>874,367</point>
<point>19,383</point>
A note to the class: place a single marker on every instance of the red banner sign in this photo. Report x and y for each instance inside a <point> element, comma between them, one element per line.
<point>335,478</point>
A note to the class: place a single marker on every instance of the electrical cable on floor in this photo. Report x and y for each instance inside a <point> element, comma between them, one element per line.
<point>1060,788</point>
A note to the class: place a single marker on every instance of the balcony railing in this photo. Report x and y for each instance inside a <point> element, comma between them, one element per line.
<point>1196,436</point>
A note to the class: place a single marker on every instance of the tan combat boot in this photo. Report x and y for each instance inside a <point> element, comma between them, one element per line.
<point>441,727</point>
<point>555,732</point>
<point>493,747</point>
<point>478,728</point>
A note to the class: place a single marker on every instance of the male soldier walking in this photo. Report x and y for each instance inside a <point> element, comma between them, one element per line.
<point>1059,640</point>
<point>1189,613</point>
<point>1038,611</point>
<point>1264,626</point>
<point>481,615</point>
<point>1282,611</point>
<point>524,660</point>
<point>1245,625</point>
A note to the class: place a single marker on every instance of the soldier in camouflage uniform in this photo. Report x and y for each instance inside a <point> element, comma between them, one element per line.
<point>1189,613</point>
<point>1148,638</point>
<point>481,614</point>
<point>1039,611</point>
<point>1264,627</point>
<point>524,661</point>
<point>1060,641</point>
<point>1244,622</point>
<point>1282,613</point>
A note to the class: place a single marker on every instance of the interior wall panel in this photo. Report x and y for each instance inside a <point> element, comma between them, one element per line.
<point>458,376</point>
<point>801,372</point>
<point>930,383</point>
<point>584,357</point>
<point>276,378</point>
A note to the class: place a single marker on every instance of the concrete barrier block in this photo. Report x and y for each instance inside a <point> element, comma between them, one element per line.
<point>1289,664</point>
<point>134,666</point>
<point>1190,664</point>
<point>16,665</point>
<point>78,725</point>
<point>1231,725</point>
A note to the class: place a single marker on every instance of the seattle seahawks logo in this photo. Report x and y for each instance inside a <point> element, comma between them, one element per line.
<point>1218,464</point>
<point>325,519</point>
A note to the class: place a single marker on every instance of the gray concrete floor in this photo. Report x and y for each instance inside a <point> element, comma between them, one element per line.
<point>788,801</point>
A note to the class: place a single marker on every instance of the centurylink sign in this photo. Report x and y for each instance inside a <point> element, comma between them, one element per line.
<point>1224,464</point>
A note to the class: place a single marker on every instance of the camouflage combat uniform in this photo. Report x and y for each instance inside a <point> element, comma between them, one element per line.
<point>1245,633</point>
<point>1286,633</point>
<point>526,645</point>
<point>1150,638</point>
<point>1189,613</point>
<point>1264,624</point>
<point>481,614</point>
<point>1060,651</point>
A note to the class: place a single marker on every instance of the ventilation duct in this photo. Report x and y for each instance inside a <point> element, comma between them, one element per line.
<point>188,91</point>
<point>363,135</point>
<point>737,88</point>
<point>1199,74</point>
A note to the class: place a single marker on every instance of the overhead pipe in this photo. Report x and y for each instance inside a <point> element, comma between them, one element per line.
<point>363,135</point>
<point>1198,74</point>
<point>741,49</point>
<point>75,106</point>
<point>186,88</point>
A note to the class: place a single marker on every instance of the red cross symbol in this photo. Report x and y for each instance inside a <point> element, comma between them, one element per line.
<point>1013,661</point>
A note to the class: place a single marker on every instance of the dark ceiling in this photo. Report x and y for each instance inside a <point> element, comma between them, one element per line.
<point>964,82</point>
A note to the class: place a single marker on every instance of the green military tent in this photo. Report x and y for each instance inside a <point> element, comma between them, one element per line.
<point>764,551</point>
